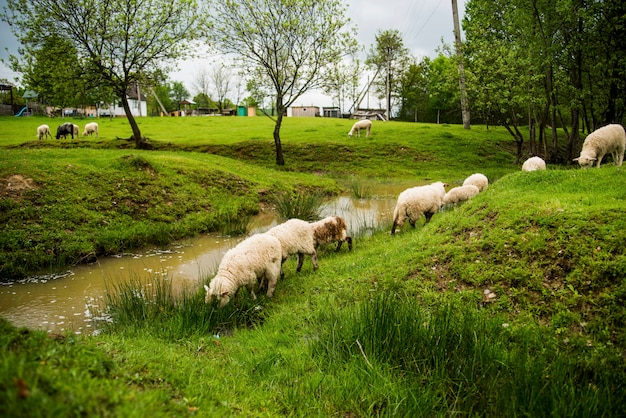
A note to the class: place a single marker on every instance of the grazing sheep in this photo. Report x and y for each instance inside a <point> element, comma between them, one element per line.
<point>76,130</point>
<point>257,257</point>
<point>331,229</point>
<point>478,180</point>
<point>43,131</point>
<point>417,201</point>
<point>362,124</point>
<point>534,163</point>
<point>65,130</point>
<point>460,194</point>
<point>91,128</point>
<point>610,139</point>
<point>296,237</point>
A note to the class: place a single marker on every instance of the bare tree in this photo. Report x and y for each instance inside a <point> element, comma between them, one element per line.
<point>220,78</point>
<point>285,43</point>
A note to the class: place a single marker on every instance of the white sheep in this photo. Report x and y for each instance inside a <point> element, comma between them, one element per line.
<point>296,237</point>
<point>460,194</point>
<point>91,128</point>
<point>43,131</point>
<point>254,259</point>
<point>477,179</point>
<point>534,163</point>
<point>362,124</point>
<point>417,201</point>
<point>610,139</point>
<point>76,130</point>
<point>331,229</point>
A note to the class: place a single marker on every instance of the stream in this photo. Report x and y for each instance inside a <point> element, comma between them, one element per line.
<point>66,301</point>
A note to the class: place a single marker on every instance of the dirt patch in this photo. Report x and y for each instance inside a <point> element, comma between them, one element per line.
<point>14,186</point>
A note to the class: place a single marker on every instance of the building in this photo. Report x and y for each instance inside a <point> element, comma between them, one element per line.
<point>303,111</point>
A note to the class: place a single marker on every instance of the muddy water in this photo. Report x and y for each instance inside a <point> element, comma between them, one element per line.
<point>66,302</point>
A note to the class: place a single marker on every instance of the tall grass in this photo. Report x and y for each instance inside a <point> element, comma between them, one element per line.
<point>301,205</point>
<point>454,359</point>
<point>150,305</point>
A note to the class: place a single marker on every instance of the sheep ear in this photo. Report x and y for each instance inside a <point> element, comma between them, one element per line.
<point>225,294</point>
<point>206,288</point>
<point>575,159</point>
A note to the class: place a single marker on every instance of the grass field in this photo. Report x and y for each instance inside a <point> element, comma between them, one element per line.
<point>512,304</point>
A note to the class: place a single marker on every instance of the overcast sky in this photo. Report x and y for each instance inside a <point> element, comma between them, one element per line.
<point>422,24</point>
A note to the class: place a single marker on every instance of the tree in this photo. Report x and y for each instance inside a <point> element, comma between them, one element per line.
<point>388,55</point>
<point>121,41</point>
<point>285,44</point>
<point>342,82</point>
<point>220,76</point>
<point>178,93</point>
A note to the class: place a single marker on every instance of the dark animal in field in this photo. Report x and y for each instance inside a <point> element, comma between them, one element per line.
<point>65,130</point>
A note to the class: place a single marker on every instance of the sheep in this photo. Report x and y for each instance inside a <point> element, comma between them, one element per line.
<point>460,194</point>
<point>477,179</point>
<point>91,128</point>
<point>43,132</point>
<point>76,130</point>
<point>296,237</point>
<point>534,163</point>
<point>608,139</point>
<point>65,130</point>
<point>331,229</point>
<point>257,257</point>
<point>418,201</point>
<point>362,124</point>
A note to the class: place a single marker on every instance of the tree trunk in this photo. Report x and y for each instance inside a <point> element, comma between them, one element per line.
<point>465,113</point>
<point>133,123</point>
<point>280,160</point>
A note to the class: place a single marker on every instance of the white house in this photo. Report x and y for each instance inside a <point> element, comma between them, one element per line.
<point>136,100</point>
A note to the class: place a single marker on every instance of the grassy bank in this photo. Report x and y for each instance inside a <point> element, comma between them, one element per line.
<point>509,305</point>
<point>69,201</point>
<point>402,325</point>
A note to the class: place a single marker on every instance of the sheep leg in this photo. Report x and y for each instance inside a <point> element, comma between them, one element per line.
<point>300,262</point>
<point>428,215</point>
<point>393,227</point>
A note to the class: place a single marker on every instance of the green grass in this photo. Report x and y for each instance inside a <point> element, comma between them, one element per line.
<point>401,325</point>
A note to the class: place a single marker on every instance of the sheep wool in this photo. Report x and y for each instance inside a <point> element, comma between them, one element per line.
<point>416,202</point>
<point>43,131</point>
<point>296,237</point>
<point>253,260</point>
<point>91,128</point>
<point>362,124</point>
<point>477,179</point>
<point>534,163</point>
<point>460,194</point>
<point>610,139</point>
<point>331,229</point>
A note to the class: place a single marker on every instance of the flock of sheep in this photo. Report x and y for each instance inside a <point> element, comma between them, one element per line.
<point>65,129</point>
<point>258,259</point>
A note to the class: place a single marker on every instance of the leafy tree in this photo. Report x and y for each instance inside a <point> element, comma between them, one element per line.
<point>388,56</point>
<point>121,41</point>
<point>413,89</point>
<point>285,45</point>
<point>178,93</point>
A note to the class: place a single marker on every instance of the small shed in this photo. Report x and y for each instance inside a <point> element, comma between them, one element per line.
<point>331,112</point>
<point>303,111</point>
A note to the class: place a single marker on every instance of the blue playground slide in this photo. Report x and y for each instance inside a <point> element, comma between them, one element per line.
<point>21,111</point>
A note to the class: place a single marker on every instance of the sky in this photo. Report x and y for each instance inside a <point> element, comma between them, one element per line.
<point>421,23</point>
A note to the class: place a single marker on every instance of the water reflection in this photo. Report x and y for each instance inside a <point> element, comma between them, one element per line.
<point>66,302</point>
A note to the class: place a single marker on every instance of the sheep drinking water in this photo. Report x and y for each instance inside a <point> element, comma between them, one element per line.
<point>257,257</point>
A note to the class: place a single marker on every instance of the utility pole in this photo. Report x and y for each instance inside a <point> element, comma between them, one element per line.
<point>459,53</point>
